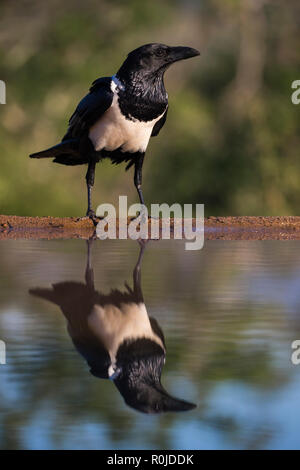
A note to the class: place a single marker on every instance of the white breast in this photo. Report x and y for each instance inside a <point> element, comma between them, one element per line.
<point>113,130</point>
<point>113,325</point>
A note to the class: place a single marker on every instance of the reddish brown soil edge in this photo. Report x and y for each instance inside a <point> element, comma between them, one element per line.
<point>225,228</point>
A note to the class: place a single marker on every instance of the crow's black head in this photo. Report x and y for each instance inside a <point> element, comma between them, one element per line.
<point>153,59</point>
<point>140,366</point>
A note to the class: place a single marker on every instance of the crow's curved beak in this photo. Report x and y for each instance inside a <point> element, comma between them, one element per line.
<point>181,53</point>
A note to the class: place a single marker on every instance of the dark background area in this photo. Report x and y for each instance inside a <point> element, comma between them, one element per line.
<point>232,136</point>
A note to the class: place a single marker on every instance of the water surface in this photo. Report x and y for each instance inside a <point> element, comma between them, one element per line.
<point>228,312</point>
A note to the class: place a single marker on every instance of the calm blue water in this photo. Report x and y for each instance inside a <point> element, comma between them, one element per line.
<point>229,314</point>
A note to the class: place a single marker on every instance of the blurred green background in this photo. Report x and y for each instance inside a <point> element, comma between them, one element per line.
<point>232,136</point>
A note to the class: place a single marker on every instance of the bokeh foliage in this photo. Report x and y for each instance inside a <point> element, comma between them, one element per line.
<point>232,136</point>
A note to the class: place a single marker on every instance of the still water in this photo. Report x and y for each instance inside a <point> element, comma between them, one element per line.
<point>222,318</point>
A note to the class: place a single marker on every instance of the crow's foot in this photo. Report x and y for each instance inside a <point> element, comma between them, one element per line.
<point>91,215</point>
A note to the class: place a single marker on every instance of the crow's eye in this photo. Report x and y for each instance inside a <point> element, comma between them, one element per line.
<point>160,52</point>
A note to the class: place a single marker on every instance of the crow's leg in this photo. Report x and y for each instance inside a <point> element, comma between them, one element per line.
<point>89,273</point>
<point>137,287</point>
<point>138,177</point>
<point>138,183</point>
<point>90,178</point>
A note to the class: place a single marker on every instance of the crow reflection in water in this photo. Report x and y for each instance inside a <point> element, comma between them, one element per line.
<point>117,338</point>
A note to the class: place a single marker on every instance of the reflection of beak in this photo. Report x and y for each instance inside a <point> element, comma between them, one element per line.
<point>181,53</point>
<point>169,403</point>
<point>150,397</point>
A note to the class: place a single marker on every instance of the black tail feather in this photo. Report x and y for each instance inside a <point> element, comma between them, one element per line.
<point>80,151</point>
<point>66,147</point>
<point>67,152</point>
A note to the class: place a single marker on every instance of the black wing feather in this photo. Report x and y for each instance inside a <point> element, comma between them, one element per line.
<point>90,108</point>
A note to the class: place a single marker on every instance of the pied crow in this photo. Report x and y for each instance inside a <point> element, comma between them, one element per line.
<point>117,338</point>
<point>119,115</point>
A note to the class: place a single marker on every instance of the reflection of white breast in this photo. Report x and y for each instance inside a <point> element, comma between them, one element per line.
<point>113,130</point>
<point>113,325</point>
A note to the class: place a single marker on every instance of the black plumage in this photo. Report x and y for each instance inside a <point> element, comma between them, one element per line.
<point>118,116</point>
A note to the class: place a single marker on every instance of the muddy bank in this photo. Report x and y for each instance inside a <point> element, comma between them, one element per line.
<point>226,228</point>
<point>252,228</point>
<point>12,226</point>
